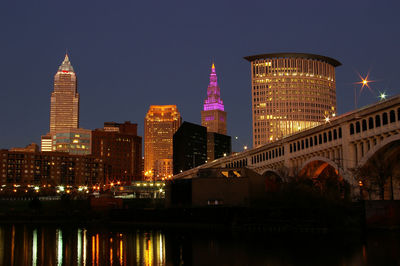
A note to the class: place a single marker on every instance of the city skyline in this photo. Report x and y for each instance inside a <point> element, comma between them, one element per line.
<point>119,79</point>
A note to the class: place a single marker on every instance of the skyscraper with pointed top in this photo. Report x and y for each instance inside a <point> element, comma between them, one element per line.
<point>64,107</point>
<point>213,115</point>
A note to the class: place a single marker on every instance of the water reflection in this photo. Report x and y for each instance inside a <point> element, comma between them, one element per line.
<point>69,246</point>
<point>59,246</point>
<point>34,248</point>
<point>47,245</point>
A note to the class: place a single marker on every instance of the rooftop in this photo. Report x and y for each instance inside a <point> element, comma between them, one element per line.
<point>326,59</point>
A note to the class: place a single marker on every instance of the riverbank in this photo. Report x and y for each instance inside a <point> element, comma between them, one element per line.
<point>274,218</point>
<point>151,214</point>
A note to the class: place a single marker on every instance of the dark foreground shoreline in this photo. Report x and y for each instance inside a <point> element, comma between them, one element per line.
<point>276,218</point>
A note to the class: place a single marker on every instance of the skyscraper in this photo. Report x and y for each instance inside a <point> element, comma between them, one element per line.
<point>160,124</point>
<point>194,146</point>
<point>190,147</point>
<point>64,109</point>
<point>64,115</point>
<point>290,92</point>
<point>213,115</point>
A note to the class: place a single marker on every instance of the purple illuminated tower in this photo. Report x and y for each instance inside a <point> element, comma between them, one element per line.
<point>213,115</point>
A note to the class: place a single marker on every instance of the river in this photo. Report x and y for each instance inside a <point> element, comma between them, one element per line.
<point>115,245</point>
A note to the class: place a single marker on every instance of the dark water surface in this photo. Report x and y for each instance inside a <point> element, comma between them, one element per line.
<point>70,245</point>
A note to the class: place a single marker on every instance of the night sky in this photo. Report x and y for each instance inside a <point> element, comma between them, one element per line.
<point>131,54</point>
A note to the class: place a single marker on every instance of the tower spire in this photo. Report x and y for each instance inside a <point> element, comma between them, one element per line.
<point>66,65</point>
<point>213,100</point>
<point>213,115</point>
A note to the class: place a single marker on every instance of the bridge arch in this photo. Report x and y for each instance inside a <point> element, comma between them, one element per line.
<point>378,147</point>
<point>270,171</point>
<point>272,180</point>
<point>319,164</point>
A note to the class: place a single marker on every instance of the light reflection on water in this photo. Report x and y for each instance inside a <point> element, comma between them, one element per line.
<point>42,245</point>
<point>34,248</point>
<point>68,245</point>
<point>59,246</point>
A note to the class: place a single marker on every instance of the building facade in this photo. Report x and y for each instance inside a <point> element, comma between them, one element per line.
<point>161,122</point>
<point>213,116</point>
<point>290,92</point>
<point>49,168</point>
<point>234,187</point>
<point>190,147</point>
<point>73,141</point>
<point>120,148</point>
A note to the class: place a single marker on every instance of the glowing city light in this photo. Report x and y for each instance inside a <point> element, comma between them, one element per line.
<point>364,82</point>
<point>382,96</point>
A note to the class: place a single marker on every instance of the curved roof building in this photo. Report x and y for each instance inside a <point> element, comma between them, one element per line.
<point>290,92</point>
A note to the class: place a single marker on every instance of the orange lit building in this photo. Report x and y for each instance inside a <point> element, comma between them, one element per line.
<point>160,124</point>
<point>290,92</point>
<point>120,148</point>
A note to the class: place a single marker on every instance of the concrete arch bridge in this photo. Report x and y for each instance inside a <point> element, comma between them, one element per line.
<point>342,146</point>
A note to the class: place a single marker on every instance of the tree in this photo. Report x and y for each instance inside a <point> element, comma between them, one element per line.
<point>376,172</point>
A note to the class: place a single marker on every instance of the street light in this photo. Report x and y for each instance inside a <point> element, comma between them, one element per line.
<point>361,184</point>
